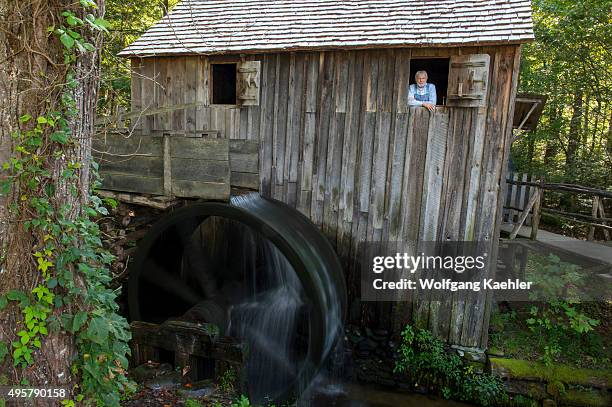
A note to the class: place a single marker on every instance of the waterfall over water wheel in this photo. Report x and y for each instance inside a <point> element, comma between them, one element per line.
<point>258,269</point>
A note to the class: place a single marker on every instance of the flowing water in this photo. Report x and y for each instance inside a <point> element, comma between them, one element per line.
<point>252,291</point>
<point>267,320</point>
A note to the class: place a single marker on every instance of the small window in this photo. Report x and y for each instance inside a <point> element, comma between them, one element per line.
<point>223,84</point>
<point>437,73</point>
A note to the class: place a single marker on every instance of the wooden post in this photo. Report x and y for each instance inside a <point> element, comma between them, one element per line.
<point>514,189</point>
<point>188,365</point>
<point>522,196</point>
<point>167,166</point>
<point>591,235</point>
<point>537,210</point>
<point>602,215</point>
<point>528,191</point>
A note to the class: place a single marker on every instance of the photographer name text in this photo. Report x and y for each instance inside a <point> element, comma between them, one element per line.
<point>450,285</point>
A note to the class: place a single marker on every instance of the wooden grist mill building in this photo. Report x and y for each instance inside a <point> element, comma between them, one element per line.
<point>307,102</point>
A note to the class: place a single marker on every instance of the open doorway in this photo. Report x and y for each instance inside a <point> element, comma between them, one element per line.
<point>437,73</point>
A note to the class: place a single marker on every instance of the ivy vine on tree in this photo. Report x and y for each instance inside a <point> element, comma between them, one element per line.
<point>64,298</point>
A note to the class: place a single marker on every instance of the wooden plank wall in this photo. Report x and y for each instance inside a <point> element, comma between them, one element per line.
<point>129,164</point>
<point>173,166</point>
<point>339,143</point>
<point>169,81</point>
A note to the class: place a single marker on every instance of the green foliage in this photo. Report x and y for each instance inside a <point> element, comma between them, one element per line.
<point>521,401</point>
<point>243,401</point>
<point>193,403</point>
<point>426,361</point>
<point>67,253</point>
<point>559,283</point>
<point>570,62</point>
<point>227,381</point>
<point>499,320</point>
<point>515,339</point>
<point>559,326</point>
<point>126,22</point>
<point>556,388</point>
<point>71,38</point>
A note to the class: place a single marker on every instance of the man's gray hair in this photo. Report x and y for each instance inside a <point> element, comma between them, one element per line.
<point>419,73</point>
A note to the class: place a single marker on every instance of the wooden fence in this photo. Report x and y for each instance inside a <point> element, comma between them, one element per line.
<point>517,198</point>
<point>524,205</point>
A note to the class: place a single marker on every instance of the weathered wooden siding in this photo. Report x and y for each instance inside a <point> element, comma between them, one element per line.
<point>173,166</point>
<point>164,82</point>
<point>339,143</point>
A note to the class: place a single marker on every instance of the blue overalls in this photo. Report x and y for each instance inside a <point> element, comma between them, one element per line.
<point>424,97</point>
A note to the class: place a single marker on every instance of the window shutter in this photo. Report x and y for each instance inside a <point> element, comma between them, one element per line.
<point>247,78</point>
<point>468,78</point>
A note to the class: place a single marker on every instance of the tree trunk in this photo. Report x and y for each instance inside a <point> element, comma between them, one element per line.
<point>609,137</point>
<point>530,153</point>
<point>573,142</point>
<point>573,138</point>
<point>549,152</point>
<point>595,127</point>
<point>551,143</point>
<point>585,121</point>
<point>32,75</point>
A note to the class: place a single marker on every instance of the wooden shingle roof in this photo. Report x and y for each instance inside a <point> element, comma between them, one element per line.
<point>242,26</point>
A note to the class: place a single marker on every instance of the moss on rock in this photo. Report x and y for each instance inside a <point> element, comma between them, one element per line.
<point>586,398</point>
<point>527,370</point>
<point>556,389</point>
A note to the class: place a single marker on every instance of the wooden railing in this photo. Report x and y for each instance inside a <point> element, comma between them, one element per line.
<point>525,199</point>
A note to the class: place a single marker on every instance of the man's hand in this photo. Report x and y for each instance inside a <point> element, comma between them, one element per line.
<point>431,107</point>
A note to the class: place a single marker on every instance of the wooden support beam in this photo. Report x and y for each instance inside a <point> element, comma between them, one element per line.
<point>534,198</point>
<point>573,217</point>
<point>533,107</point>
<point>193,339</point>
<point>513,193</point>
<point>537,211</point>
<point>579,189</point>
<point>527,100</point>
<point>595,209</point>
<point>167,167</point>
<point>198,351</point>
<point>602,215</point>
<point>157,202</point>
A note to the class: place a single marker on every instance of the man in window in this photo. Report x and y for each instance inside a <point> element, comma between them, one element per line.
<point>422,93</point>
